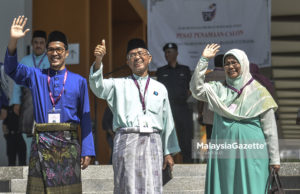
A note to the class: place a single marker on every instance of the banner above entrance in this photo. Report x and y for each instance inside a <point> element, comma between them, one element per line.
<point>192,24</point>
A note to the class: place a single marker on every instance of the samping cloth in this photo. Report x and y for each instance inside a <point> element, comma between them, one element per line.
<point>54,166</point>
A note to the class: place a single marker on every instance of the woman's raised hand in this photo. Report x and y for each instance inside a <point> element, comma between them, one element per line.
<point>210,50</point>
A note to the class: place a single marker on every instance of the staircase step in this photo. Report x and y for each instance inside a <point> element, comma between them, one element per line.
<point>292,191</point>
<point>97,172</point>
<point>289,169</point>
<point>12,193</point>
<point>13,172</point>
<point>18,185</point>
<point>290,182</point>
<point>164,192</point>
<point>188,170</point>
<point>104,171</point>
<point>4,185</point>
<point>188,178</point>
<point>178,184</point>
<point>111,192</point>
<point>94,185</point>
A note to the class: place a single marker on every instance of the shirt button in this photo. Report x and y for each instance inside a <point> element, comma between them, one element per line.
<point>56,85</point>
<point>56,78</point>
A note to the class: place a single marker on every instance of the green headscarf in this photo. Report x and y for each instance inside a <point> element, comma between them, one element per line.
<point>253,101</point>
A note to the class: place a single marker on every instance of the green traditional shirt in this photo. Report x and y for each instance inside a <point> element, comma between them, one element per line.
<point>122,96</point>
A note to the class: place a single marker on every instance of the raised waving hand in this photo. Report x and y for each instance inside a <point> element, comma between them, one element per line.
<point>17,28</point>
<point>16,32</point>
<point>210,50</point>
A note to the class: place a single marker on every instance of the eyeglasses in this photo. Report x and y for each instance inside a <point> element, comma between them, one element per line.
<point>59,50</point>
<point>139,53</point>
<point>233,63</point>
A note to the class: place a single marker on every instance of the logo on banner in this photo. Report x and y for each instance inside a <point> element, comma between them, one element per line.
<point>209,14</point>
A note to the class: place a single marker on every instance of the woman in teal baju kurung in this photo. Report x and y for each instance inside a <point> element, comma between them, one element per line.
<point>244,126</point>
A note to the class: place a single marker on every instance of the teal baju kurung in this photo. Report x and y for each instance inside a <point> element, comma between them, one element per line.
<point>243,116</point>
<point>241,171</point>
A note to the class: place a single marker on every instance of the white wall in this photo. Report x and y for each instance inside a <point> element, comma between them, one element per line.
<point>10,9</point>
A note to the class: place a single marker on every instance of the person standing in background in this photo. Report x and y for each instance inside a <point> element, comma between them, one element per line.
<point>107,125</point>
<point>176,78</point>
<point>15,144</point>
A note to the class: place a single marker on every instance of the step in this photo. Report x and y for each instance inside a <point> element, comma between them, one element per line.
<point>290,182</point>
<point>178,184</point>
<point>13,172</point>
<point>289,169</point>
<point>4,185</point>
<point>292,191</point>
<point>111,192</point>
<point>188,178</point>
<point>104,171</point>
<point>94,185</point>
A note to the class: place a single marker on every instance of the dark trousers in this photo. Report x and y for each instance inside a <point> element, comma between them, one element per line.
<point>183,119</point>
<point>110,142</point>
<point>208,131</point>
<point>15,146</point>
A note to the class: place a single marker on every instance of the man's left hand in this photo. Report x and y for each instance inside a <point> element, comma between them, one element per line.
<point>168,161</point>
<point>85,161</point>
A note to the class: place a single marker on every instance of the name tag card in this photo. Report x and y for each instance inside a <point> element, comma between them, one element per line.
<point>54,116</point>
<point>145,124</point>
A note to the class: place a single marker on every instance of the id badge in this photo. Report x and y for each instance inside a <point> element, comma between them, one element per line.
<point>232,108</point>
<point>54,116</point>
<point>145,124</point>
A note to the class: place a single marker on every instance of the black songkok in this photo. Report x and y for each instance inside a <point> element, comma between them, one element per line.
<point>40,34</point>
<point>135,43</point>
<point>58,36</point>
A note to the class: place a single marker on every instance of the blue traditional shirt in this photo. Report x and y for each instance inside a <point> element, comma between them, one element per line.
<point>41,62</point>
<point>73,104</point>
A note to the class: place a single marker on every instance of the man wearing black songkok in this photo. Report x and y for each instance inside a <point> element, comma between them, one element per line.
<point>61,104</point>
<point>142,119</point>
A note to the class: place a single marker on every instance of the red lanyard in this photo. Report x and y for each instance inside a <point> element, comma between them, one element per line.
<point>34,63</point>
<point>54,102</point>
<point>241,90</point>
<point>142,98</point>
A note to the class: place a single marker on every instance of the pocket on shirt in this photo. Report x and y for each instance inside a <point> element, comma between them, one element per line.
<point>70,100</point>
<point>155,107</point>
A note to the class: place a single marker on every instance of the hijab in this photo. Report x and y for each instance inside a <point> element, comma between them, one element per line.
<point>251,102</point>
